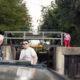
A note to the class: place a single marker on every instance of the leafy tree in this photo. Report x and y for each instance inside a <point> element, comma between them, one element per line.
<point>49,21</point>
<point>14,15</point>
<point>69,11</point>
<point>65,16</point>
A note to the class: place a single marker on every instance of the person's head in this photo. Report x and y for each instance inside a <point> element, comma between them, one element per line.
<point>66,33</point>
<point>1,39</point>
<point>25,44</point>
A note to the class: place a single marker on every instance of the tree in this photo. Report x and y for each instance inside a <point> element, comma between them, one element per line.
<point>49,18</point>
<point>69,11</point>
<point>14,15</point>
<point>64,17</point>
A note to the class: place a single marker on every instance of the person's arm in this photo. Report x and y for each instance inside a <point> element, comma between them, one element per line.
<point>20,59</point>
<point>35,59</point>
<point>21,56</point>
<point>34,55</point>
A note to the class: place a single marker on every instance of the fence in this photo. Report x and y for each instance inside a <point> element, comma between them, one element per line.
<point>46,35</point>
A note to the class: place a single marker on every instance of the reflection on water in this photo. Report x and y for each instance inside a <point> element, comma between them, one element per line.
<point>25,74</point>
<point>16,73</point>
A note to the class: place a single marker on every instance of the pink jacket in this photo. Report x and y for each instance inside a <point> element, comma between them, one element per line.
<point>67,36</point>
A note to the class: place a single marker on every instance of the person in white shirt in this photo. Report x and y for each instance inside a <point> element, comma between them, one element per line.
<point>28,53</point>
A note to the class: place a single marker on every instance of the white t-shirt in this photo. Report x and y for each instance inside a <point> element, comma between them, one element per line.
<point>27,54</point>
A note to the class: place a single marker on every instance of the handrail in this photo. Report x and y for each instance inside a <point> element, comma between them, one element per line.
<point>45,35</point>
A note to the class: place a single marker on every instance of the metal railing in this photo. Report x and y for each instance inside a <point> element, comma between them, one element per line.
<point>42,35</point>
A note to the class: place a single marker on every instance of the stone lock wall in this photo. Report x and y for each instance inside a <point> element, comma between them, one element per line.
<point>8,53</point>
<point>60,57</point>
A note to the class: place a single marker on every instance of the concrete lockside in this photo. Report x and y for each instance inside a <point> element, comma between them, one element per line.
<point>8,52</point>
<point>60,56</point>
<point>59,60</point>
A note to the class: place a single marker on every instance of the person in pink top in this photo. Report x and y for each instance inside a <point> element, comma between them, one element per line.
<point>67,39</point>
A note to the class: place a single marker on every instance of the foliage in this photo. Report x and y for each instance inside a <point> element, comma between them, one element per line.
<point>63,16</point>
<point>14,15</point>
<point>69,11</point>
<point>49,18</point>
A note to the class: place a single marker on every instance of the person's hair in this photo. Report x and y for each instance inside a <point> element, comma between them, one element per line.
<point>25,40</point>
<point>1,37</point>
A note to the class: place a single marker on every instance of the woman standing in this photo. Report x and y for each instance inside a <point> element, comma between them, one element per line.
<point>67,39</point>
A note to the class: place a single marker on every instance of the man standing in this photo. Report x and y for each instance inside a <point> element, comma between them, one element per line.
<point>28,53</point>
<point>67,39</point>
<point>1,41</point>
